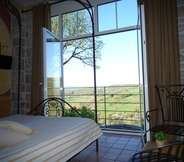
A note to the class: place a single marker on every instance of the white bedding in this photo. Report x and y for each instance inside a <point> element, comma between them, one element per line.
<point>58,138</point>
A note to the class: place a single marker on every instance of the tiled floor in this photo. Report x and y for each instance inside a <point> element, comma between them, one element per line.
<point>112,148</point>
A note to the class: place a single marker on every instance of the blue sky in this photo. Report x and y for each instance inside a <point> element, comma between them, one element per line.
<point>119,63</point>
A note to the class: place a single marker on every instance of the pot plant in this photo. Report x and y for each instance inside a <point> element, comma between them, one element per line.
<point>160,138</point>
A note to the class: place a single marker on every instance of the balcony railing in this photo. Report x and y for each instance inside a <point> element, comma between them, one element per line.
<point>118,107</point>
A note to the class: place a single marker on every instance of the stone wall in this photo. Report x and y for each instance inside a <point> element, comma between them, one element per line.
<point>181,36</point>
<point>25,66</point>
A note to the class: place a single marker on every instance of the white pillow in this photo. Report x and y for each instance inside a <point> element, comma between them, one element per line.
<point>11,137</point>
<point>16,126</point>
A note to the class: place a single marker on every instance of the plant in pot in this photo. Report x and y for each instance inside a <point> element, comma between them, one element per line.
<point>160,138</point>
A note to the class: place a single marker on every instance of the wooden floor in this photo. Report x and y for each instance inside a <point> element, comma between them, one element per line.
<point>112,148</point>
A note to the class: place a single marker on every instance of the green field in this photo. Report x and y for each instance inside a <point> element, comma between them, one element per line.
<point>117,104</point>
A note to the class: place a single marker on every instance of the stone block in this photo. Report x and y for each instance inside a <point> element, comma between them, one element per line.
<point>28,78</point>
<point>180,2</point>
<point>180,11</point>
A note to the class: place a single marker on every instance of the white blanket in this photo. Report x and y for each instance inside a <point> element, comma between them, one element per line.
<point>58,138</point>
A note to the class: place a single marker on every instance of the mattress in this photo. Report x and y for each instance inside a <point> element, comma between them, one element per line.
<point>58,138</point>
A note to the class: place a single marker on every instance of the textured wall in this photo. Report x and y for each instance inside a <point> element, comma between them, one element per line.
<point>26,63</point>
<point>181,36</point>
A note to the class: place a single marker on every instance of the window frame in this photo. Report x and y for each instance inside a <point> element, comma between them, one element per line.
<point>55,11</point>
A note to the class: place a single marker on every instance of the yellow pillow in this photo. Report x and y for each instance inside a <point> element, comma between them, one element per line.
<point>17,126</point>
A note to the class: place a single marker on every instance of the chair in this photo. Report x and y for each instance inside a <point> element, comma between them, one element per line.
<point>171,109</point>
<point>173,152</point>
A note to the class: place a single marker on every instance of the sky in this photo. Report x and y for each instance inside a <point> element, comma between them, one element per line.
<point>119,64</point>
<point>119,60</point>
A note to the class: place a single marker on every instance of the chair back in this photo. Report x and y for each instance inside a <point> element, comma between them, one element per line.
<point>167,153</point>
<point>171,98</point>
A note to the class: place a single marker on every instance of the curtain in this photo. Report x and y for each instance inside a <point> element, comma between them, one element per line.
<point>41,18</point>
<point>163,59</point>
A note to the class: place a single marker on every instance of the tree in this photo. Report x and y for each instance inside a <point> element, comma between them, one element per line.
<point>74,24</point>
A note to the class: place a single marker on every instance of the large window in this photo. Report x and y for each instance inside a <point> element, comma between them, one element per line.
<point>116,51</point>
<point>118,58</point>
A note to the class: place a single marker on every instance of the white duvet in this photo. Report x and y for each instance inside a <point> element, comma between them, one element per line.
<point>58,138</point>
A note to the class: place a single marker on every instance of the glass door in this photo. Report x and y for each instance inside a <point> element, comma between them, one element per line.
<point>52,65</point>
<point>145,77</point>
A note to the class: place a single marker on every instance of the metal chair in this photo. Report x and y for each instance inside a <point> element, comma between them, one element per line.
<point>173,152</point>
<point>171,109</point>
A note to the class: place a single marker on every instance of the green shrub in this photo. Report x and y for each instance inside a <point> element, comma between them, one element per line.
<point>84,111</point>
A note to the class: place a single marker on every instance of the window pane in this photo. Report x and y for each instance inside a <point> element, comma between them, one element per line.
<point>55,25</point>
<point>119,61</point>
<point>76,23</point>
<point>52,66</point>
<point>119,14</point>
<point>106,17</point>
<point>77,61</point>
<point>127,13</point>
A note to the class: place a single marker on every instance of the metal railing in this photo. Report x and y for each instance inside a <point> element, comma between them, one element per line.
<point>118,107</point>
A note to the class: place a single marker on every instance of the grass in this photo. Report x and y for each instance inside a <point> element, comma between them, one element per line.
<point>122,103</point>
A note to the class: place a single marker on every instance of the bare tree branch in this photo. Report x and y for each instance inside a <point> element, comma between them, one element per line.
<point>78,23</point>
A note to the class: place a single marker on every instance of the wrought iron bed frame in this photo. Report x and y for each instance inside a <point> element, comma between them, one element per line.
<point>53,104</point>
<point>87,5</point>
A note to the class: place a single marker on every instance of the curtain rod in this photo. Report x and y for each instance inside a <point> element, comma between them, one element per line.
<point>23,11</point>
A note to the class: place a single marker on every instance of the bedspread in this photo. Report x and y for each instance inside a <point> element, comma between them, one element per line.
<point>58,138</point>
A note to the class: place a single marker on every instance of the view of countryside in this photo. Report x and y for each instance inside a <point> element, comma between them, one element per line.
<point>118,107</point>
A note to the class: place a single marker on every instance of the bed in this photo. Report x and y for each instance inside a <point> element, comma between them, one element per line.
<point>54,139</point>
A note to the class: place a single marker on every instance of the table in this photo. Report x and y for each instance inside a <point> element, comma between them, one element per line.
<point>149,145</point>
<point>152,145</point>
